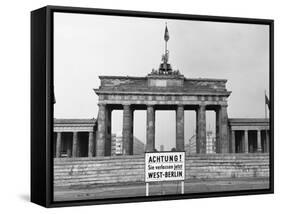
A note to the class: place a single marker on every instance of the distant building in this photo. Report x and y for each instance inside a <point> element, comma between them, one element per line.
<point>139,147</point>
<point>117,145</point>
<point>190,146</point>
<point>210,142</point>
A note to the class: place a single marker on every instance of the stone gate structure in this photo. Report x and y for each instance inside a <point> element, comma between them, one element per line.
<point>162,89</point>
<point>161,92</point>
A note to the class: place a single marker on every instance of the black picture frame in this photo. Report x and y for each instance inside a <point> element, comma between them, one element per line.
<point>42,103</point>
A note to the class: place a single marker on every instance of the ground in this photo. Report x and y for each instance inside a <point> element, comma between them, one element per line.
<point>133,190</point>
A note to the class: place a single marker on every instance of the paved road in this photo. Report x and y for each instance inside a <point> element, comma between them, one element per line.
<point>133,190</point>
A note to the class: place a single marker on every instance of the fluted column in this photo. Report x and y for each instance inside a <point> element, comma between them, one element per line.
<point>259,148</point>
<point>233,143</point>
<point>91,144</point>
<point>58,144</point>
<point>101,131</point>
<point>201,129</point>
<point>150,129</point>
<point>75,144</point>
<point>246,138</point>
<point>180,128</point>
<point>127,120</point>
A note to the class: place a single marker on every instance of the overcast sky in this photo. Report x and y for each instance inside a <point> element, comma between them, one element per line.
<point>86,46</point>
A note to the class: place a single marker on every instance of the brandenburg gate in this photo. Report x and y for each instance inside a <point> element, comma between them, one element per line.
<point>162,89</point>
<point>161,92</point>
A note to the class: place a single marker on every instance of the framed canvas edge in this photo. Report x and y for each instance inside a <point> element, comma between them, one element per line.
<point>47,92</point>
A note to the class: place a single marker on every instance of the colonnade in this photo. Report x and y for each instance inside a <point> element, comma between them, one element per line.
<point>104,128</point>
<point>99,142</point>
<point>73,150</point>
<point>245,141</point>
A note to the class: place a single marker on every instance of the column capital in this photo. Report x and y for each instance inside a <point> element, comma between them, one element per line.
<point>202,106</point>
<point>101,104</point>
<point>150,105</point>
<point>126,106</point>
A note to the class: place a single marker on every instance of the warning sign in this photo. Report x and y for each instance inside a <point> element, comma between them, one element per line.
<point>164,166</point>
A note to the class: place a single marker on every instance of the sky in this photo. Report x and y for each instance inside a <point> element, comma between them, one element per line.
<point>87,46</point>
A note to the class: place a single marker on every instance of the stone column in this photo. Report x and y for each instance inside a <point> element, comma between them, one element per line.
<point>180,128</point>
<point>108,139</point>
<point>233,143</point>
<point>267,140</point>
<point>201,129</point>
<point>58,145</point>
<point>218,119</point>
<point>246,138</point>
<point>75,144</point>
<point>127,120</point>
<point>224,140</point>
<point>91,144</point>
<point>101,131</point>
<point>150,129</point>
<point>131,145</point>
<point>69,147</point>
<point>259,148</point>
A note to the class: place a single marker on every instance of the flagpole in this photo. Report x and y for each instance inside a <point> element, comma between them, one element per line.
<point>165,47</point>
<point>166,42</point>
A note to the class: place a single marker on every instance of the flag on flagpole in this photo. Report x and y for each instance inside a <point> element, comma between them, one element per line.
<point>267,102</point>
<point>166,35</point>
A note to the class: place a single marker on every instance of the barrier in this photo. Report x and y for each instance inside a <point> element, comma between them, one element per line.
<point>130,169</point>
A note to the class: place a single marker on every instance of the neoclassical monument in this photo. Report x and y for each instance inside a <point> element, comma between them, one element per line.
<point>163,89</point>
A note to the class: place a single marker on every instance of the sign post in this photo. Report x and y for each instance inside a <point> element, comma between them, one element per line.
<point>147,189</point>
<point>164,166</point>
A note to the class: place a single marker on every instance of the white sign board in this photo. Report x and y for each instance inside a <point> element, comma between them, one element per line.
<point>164,166</point>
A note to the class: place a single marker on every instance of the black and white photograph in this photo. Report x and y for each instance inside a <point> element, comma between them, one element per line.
<point>149,107</point>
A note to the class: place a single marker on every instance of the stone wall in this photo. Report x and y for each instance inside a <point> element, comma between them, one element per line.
<point>130,169</point>
<point>161,83</point>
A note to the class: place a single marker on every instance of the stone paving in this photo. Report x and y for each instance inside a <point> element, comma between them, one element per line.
<point>133,190</point>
